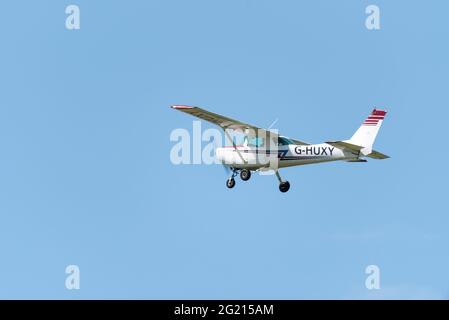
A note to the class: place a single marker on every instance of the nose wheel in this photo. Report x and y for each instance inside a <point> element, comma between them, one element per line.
<point>245,175</point>
<point>230,183</point>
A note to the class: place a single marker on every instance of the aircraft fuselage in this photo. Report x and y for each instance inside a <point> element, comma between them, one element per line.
<point>285,156</point>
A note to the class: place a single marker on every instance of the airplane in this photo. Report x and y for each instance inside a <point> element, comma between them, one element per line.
<point>264,150</point>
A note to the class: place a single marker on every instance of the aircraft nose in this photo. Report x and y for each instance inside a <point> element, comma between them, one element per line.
<point>219,154</point>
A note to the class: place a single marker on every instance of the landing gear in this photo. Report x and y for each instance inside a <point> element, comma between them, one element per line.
<point>230,183</point>
<point>284,186</point>
<point>245,174</point>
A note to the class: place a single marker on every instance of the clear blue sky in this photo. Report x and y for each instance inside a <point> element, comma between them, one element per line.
<point>86,178</point>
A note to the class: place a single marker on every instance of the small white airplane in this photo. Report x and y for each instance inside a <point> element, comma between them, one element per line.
<point>263,150</point>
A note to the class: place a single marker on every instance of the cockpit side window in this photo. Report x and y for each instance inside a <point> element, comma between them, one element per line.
<point>256,142</point>
<point>282,141</point>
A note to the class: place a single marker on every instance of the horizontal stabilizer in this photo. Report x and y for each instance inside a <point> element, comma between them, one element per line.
<point>356,150</point>
<point>345,145</point>
<point>377,155</point>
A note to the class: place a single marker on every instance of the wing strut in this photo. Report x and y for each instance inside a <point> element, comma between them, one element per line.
<point>235,147</point>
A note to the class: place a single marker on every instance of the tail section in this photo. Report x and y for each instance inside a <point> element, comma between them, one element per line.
<point>366,134</point>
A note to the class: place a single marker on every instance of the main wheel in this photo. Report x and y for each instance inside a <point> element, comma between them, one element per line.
<point>284,186</point>
<point>230,183</point>
<point>245,174</point>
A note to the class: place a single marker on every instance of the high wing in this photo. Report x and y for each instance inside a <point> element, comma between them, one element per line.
<point>299,142</point>
<point>228,123</point>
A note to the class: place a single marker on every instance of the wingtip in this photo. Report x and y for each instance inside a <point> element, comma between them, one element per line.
<point>181,107</point>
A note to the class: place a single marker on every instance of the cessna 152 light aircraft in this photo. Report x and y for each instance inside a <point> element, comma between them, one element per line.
<point>264,150</point>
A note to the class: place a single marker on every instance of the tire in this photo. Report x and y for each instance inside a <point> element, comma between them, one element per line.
<point>230,183</point>
<point>245,174</point>
<point>284,186</point>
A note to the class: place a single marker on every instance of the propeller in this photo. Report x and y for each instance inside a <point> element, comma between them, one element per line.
<point>227,170</point>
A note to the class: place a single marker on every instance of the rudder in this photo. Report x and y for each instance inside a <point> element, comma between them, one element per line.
<point>366,134</point>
